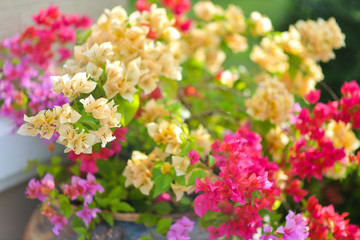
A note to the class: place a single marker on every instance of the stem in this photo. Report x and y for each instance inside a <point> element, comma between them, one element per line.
<point>329,90</point>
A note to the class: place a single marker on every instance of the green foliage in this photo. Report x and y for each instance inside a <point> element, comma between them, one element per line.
<point>162,208</point>
<point>82,36</point>
<point>118,206</point>
<point>211,218</point>
<point>163,225</point>
<point>108,217</point>
<point>162,184</point>
<point>196,174</point>
<point>147,219</point>
<point>41,169</point>
<point>127,110</point>
<point>65,206</point>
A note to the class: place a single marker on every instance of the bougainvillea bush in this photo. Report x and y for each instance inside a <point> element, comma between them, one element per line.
<point>156,125</point>
<point>27,61</point>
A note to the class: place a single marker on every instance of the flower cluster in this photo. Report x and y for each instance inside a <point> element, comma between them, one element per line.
<point>125,73</point>
<point>293,55</point>
<point>324,220</point>
<point>245,185</point>
<point>86,189</point>
<point>295,228</point>
<point>118,56</point>
<point>180,229</point>
<point>29,60</point>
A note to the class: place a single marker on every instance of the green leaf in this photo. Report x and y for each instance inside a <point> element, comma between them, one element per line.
<point>55,160</point>
<point>41,169</point>
<point>211,161</point>
<point>127,110</point>
<point>75,170</point>
<point>121,207</point>
<point>169,87</point>
<point>211,218</point>
<point>162,184</point>
<point>82,36</point>
<point>80,230</point>
<point>146,238</point>
<point>194,175</point>
<point>162,208</point>
<point>88,121</point>
<point>108,217</point>
<point>147,219</point>
<point>65,206</point>
<point>117,192</point>
<point>163,226</point>
<point>294,65</point>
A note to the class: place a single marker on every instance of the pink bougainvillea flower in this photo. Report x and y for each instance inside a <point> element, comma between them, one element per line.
<point>164,197</point>
<point>194,157</point>
<point>84,188</point>
<point>178,7</point>
<point>180,229</point>
<point>313,96</point>
<point>40,190</point>
<point>87,214</point>
<point>295,227</point>
<point>58,222</point>
<point>142,5</point>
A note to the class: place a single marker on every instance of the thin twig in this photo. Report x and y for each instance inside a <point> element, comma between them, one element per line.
<point>329,90</point>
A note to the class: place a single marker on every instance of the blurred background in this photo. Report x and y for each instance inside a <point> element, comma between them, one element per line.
<point>15,209</point>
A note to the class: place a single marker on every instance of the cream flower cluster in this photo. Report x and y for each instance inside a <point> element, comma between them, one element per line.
<point>60,120</point>
<point>293,55</point>
<point>321,37</point>
<point>221,25</point>
<point>276,140</point>
<point>342,136</point>
<point>167,133</point>
<point>151,112</point>
<point>270,101</point>
<point>121,55</point>
<point>138,172</point>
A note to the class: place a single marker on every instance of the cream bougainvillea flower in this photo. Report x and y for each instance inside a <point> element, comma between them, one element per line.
<point>166,133</point>
<point>152,111</point>
<point>180,164</point>
<point>270,101</point>
<point>138,172</point>
<point>342,136</point>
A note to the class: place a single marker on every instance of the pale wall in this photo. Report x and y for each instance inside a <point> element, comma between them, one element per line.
<point>14,16</point>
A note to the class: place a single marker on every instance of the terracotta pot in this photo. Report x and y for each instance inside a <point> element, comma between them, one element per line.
<point>125,228</point>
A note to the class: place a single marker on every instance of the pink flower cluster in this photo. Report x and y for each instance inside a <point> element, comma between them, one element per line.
<point>295,229</point>
<point>322,220</point>
<point>55,218</point>
<point>41,190</point>
<point>86,189</point>
<point>350,104</point>
<point>245,185</point>
<point>88,161</point>
<point>28,59</point>
<point>314,152</point>
<point>180,229</point>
